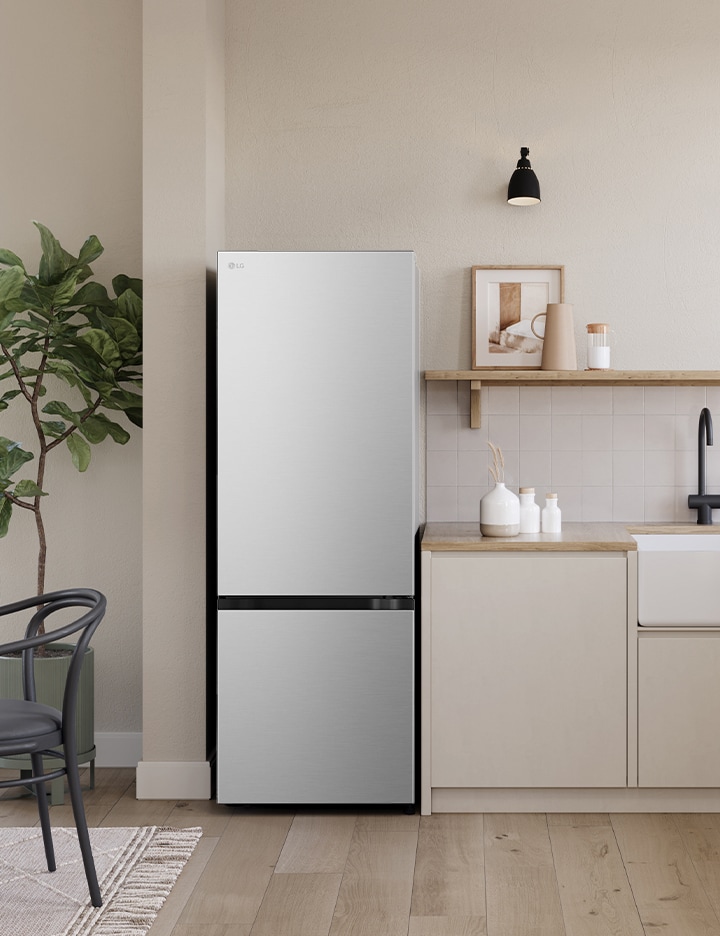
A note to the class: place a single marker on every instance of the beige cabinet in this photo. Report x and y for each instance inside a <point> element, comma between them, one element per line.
<point>528,669</point>
<point>679,709</point>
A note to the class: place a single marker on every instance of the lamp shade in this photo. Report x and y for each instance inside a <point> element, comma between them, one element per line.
<point>524,188</point>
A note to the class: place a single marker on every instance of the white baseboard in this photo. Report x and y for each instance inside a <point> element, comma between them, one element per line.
<point>179,780</point>
<point>118,748</point>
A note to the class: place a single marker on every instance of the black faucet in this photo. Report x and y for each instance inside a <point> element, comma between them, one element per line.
<point>701,501</point>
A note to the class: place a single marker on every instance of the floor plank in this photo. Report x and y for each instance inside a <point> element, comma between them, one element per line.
<point>376,889</point>
<point>215,929</point>
<point>578,819</point>
<point>665,885</point>
<point>236,877</point>
<point>522,893</point>
<point>298,905</point>
<point>317,843</point>
<point>594,890</point>
<point>130,811</point>
<point>450,868</point>
<point>701,837</point>
<point>167,918</point>
<point>447,926</point>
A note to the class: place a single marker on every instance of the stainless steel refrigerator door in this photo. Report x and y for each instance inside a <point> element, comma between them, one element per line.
<point>315,707</point>
<point>317,412</point>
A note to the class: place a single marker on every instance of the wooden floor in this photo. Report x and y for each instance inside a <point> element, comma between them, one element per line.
<point>328,872</point>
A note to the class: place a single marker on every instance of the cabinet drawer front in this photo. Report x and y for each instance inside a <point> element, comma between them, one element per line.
<point>529,670</point>
<point>679,711</point>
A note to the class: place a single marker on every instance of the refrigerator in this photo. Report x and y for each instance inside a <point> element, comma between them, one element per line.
<point>317,402</point>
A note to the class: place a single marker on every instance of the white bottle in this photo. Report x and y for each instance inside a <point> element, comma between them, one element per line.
<point>529,511</point>
<point>551,515</point>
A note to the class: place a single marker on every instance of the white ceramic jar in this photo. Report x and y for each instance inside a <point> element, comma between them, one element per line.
<point>551,515</point>
<point>529,511</point>
<point>499,512</point>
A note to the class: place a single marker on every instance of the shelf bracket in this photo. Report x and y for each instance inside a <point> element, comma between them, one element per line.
<point>475,413</point>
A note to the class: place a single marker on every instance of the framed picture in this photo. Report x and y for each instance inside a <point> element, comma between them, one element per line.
<point>504,301</point>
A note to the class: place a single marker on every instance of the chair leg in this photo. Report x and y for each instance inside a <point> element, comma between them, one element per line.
<point>78,808</point>
<point>43,811</point>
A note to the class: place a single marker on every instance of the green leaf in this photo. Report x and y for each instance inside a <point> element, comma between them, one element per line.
<point>65,289</point>
<point>80,451</point>
<point>103,344</point>
<point>130,307</point>
<point>8,258</point>
<point>93,294</point>
<point>90,251</point>
<point>11,283</point>
<point>5,515</point>
<point>53,428</point>
<point>121,283</point>
<point>98,427</point>
<point>12,457</point>
<point>28,489</point>
<point>58,408</point>
<point>54,261</point>
<point>135,415</point>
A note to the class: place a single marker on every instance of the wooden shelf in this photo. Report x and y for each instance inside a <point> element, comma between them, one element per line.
<point>596,378</point>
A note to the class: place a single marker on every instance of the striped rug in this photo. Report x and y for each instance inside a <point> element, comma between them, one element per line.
<point>136,868</point>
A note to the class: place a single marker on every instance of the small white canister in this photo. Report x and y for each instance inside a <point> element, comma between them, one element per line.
<point>598,346</point>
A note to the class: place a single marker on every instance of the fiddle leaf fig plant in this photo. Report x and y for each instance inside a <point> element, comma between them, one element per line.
<point>71,354</point>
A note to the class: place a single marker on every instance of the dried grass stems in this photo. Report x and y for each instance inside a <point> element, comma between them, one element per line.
<point>497,469</point>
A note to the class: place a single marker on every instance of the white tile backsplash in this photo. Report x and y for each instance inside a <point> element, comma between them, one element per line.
<point>659,400</point>
<point>566,469</point>
<point>442,468</point>
<point>504,430</point>
<point>597,399</point>
<point>628,432</point>
<point>659,433</point>
<point>566,432</point>
<point>629,400</point>
<point>597,433</point>
<point>535,401</point>
<point>442,432</point>
<point>622,453</point>
<point>503,400</point>
<point>535,433</point>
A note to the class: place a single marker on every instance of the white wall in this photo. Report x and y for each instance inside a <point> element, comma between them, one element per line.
<point>71,158</point>
<point>397,124</point>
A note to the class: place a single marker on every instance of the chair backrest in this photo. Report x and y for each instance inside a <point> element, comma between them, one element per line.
<point>86,624</point>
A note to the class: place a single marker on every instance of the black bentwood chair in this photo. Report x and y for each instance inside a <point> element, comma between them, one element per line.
<point>27,727</point>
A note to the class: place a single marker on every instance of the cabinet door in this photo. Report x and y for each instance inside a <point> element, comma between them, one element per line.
<point>679,710</point>
<point>529,670</point>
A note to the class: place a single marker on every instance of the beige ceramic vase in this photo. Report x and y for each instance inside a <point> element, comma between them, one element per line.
<point>559,352</point>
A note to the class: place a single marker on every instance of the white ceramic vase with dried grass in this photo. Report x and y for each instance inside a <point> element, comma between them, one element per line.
<point>499,508</point>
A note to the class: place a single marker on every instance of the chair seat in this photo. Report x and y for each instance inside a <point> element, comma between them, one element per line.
<point>24,720</point>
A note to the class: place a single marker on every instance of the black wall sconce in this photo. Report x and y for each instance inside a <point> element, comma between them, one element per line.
<point>524,188</point>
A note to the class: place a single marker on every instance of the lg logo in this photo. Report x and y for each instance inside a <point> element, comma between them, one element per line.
<point>236,266</point>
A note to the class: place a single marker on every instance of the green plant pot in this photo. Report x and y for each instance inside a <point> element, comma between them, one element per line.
<point>50,677</point>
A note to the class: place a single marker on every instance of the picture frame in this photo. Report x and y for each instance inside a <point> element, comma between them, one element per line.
<point>504,301</point>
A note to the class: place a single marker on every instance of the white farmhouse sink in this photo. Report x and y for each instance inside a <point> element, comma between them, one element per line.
<point>678,579</point>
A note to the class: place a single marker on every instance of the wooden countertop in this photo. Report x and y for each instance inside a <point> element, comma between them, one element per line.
<point>575,537</point>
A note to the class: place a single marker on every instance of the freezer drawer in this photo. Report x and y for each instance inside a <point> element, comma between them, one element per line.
<point>315,706</point>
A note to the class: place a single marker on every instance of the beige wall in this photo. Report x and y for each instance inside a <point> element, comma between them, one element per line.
<point>390,124</point>
<point>183,226</point>
<point>71,158</point>
<point>397,124</point>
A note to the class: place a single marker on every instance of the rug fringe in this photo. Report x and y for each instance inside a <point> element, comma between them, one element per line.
<point>133,908</point>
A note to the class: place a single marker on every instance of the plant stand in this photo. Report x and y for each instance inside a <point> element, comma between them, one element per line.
<point>50,677</point>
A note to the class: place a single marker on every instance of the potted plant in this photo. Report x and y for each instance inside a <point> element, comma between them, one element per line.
<point>63,337</point>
